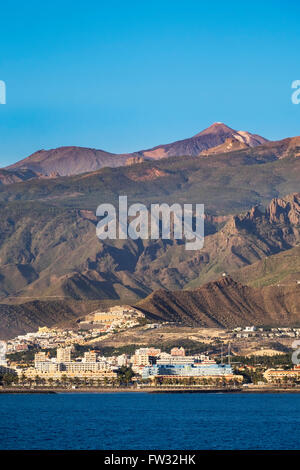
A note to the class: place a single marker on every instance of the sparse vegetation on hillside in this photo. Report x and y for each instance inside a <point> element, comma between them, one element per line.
<point>49,250</point>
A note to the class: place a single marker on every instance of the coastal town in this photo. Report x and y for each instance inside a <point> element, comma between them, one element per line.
<point>74,358</point>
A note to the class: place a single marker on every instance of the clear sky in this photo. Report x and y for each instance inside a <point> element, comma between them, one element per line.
<point>127,75</point>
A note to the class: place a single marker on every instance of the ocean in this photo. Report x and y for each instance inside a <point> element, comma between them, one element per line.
<point>118,421</point>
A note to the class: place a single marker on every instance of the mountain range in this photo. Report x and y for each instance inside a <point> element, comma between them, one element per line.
<point>51,260</point>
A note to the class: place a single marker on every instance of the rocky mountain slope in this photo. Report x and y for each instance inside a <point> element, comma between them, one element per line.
<point>19,319</point>
<point>49,252</point>
<point>219,138</point>
<point>281,269</point>
<point>213,136</point>
<point>230,145</point>
<point>250,237</point>
<point>68,161</point>
<point>16,176</point>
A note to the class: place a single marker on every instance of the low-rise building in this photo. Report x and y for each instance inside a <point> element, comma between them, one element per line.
<point>189,366</point>
<point>281,375</point>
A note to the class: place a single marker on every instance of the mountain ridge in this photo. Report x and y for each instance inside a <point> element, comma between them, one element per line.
<point>36,244</point>
<point>225,303</point>
<point>72,160</point>
<point>49,250</point>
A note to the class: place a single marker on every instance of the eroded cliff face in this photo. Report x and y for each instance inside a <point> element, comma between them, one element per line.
<point>285,210</point>
<point>50,256</point>
<point>33,248</point>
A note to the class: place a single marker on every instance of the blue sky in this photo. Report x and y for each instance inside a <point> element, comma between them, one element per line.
<point>126,75</point>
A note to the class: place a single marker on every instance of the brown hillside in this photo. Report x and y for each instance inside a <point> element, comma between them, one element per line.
<point>226,303</point>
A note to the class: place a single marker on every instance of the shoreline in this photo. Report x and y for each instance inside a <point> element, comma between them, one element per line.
<point>150,390</point>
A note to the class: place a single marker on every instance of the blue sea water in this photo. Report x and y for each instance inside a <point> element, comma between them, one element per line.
<point>121,421</point>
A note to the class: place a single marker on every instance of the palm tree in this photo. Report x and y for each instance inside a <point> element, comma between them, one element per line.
<point>23,379</point>
<point>16,379</point>
<point>8,379</point>
<point>106,381</point>
<point>77,381</point>
<point>64,380</point>
<point>50,381</point>
<point>204,381</point>
<point>37,380</point>
<point>91,382</point>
